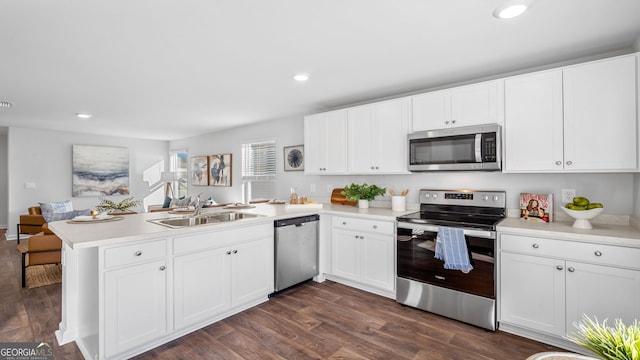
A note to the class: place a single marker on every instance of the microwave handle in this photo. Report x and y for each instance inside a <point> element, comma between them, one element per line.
<point>478,148</point>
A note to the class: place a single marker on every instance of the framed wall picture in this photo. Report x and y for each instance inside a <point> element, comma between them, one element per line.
<point>220,170</point>
<point>294,158</point>
<point>199,169</point>
<point>100,170</point>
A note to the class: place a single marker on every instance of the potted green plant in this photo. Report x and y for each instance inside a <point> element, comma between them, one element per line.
<point>610,343</point>
<point>363,193</point>
<point>113,207</point>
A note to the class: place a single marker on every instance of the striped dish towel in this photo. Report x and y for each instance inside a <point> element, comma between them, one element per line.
<point>451,247</point>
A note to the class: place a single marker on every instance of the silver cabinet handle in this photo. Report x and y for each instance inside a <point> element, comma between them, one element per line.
<point>571,269</point>
<point>138,253</point>
<point>569,162</point>
<point>162,268</point>
<point>375,226</point>
<point>558,162</point>
<point>235,251</point>
<point>446,122</point>
<point>357,236</point>
<point>535,246</point>
<point>377,168</point>
<point>559,267</point>
<point>597,253</point>
<point>228,252</point>
<point>344,223</point>
<point>453,121</point>
<point>372,168</point>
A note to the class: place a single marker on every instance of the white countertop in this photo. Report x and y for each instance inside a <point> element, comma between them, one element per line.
<point>136,227</point>
<point>613,234</point>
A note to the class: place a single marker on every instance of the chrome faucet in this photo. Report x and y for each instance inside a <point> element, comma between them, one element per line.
<point>198,206</point>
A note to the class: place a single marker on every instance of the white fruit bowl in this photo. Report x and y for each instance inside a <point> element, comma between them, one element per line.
<point>582,217</point>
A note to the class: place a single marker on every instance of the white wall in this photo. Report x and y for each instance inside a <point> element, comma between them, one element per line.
<point>286,132</point>
<point>615,191</point>
<point>4,178</point>
<point>44,158</point>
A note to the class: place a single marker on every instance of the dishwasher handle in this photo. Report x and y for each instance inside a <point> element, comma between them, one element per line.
<point>297,221</point>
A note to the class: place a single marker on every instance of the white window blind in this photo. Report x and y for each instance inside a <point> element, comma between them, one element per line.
<point>259,161</point>
<point>259,170</point>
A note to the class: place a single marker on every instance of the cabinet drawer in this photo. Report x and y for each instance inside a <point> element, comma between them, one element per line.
<point>570,250</point>
<point>371,226</point>
<point>220,238</point>
<point>135,253</point>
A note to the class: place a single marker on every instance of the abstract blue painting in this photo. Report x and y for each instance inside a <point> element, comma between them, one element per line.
<point>100,170</point>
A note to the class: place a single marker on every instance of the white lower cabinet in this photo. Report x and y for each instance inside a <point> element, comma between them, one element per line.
<point>135,306</point>
<point>201,284</point>
<point>155,291</point>
<point>134,295</point>
<point>362,253</point>
<point>547,285</point>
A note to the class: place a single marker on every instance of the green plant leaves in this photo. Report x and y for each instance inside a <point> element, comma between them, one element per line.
<point>619,342</point>
<point>362,192</point>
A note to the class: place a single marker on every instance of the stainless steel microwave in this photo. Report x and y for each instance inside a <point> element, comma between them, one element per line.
<point>470,148</point>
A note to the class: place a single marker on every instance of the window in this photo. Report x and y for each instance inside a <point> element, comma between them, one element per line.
<point>178,163</point>
<point>258,170</point>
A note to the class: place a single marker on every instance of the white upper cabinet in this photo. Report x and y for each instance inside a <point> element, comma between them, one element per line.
<point>461,106</point>
<point>533,128</point>
<point>600,115</point>
<point>580,118</point>
<point>325,139</point>
<point>377,141</point>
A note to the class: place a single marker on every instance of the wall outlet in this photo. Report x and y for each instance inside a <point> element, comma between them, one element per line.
<point>568,195</point>
<point>329,189</point>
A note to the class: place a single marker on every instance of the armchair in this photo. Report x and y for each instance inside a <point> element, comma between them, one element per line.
<point>31,223</point>
<point>41,249</point>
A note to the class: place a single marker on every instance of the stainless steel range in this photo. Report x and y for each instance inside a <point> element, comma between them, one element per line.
<point>422,280</point>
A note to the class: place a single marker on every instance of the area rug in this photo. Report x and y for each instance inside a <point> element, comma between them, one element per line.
<point>42,275</point>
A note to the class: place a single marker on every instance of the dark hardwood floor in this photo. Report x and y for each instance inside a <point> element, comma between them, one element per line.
<point>310,321</point>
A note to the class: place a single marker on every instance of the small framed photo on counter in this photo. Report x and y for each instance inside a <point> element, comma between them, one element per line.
<point>536,207</point>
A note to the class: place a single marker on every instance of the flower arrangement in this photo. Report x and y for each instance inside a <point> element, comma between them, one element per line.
<point>362,192</point>
<point>619,342</point>
<point>122,206</point>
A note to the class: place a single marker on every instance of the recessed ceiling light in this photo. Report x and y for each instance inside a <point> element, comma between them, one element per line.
<point>83,116</point>
<point>6,104</point>
<point>301,77</point>
<point>511,9</point>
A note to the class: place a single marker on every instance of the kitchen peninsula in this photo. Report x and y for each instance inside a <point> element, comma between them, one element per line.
<point>131,285</point>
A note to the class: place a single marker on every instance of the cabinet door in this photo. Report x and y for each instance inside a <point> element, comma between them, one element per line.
<point>326,143</point>
<point>603,292</point>
<point>377,255</point>
<point>378,137</point>
<point>362,130</point>
<point>390,144</point>
<point>344,254</point>
<point>474,104</point>
<point>135,306</point>
<point>201,283</point>
<point>533,122</point>
<point>251,271</point>
<point>532,292</point>
<point>431,111</point>
<point>600,115</point>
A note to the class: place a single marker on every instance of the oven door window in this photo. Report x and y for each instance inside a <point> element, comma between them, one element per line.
<point>459,149</point>
<point>416,261</point>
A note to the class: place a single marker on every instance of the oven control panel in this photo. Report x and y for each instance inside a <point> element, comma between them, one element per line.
<point>464,197</point>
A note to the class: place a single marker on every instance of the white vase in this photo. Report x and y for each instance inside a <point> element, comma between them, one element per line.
<point>363,204</point>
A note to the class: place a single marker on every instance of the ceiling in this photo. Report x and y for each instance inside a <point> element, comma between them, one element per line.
<point>160,69</point>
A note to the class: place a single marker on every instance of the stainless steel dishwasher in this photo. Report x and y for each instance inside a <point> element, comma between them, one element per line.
<point>296,252</point>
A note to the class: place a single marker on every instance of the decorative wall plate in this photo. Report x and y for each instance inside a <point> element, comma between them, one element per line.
<point>294,158</point>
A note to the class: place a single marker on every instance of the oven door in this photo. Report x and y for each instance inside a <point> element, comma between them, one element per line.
<point>416,260</point>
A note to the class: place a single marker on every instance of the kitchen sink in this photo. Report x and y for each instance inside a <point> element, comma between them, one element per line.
<point>204,219</point>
